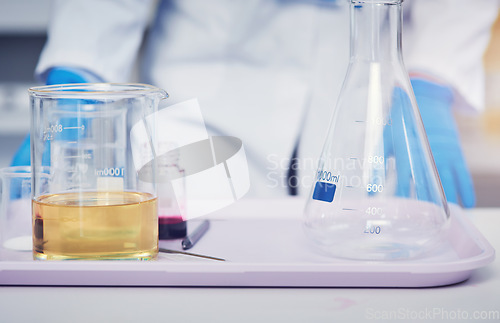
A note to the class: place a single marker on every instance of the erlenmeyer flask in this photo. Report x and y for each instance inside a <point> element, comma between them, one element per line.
<point>377,194</point>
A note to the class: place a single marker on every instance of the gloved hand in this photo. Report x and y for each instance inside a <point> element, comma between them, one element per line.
<point>434,102</point>
<point>57,75</point>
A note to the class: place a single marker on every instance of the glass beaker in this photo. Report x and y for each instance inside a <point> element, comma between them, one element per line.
<point>15,208</point>
<point>377,194</point>
<point>88,200</point>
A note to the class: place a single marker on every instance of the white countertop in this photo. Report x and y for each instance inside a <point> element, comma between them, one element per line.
<point>479,296</point>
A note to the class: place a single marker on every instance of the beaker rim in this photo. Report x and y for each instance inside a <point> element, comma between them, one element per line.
<point>96,89</point>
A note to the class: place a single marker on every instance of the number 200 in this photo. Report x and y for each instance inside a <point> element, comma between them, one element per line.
<point>373,229</point>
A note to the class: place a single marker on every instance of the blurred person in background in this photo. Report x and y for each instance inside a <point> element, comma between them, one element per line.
<point>269,71</point>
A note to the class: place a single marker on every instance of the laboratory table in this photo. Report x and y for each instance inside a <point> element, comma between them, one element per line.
<point>476,299</point>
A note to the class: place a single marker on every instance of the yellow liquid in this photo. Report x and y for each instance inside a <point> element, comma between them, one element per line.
<point>95,225</point>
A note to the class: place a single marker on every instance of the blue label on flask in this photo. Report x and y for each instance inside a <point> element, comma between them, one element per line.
<point>324,191</point>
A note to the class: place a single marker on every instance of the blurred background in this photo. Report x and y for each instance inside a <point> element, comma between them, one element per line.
<point>23,26</point>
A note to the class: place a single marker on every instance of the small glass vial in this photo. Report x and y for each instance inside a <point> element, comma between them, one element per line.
<point>171,203</point>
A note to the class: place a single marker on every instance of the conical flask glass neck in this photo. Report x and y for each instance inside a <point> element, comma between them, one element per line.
<point>376,30</point>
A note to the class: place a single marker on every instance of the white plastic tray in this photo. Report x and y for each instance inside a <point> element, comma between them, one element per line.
<point>263,244</point>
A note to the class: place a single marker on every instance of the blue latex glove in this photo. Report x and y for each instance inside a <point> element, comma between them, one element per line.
<point>402,140</point>
<point>434,102</point>
<point>57,75</point>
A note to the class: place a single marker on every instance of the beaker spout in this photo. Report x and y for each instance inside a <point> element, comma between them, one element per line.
<point>163,94</point>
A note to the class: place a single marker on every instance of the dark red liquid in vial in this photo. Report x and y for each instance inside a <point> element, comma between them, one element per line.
<point>171,227</point>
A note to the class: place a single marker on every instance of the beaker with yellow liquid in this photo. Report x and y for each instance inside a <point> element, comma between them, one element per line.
<point>89,200</point>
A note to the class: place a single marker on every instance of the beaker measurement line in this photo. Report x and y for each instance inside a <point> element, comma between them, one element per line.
<point>349,186</point>
<point>79,127</point>
<point>359,121</point>
<point>346,209</point>
<point>82,156</point>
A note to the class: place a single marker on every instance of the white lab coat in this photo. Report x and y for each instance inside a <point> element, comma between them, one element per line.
<point>266,71</point>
